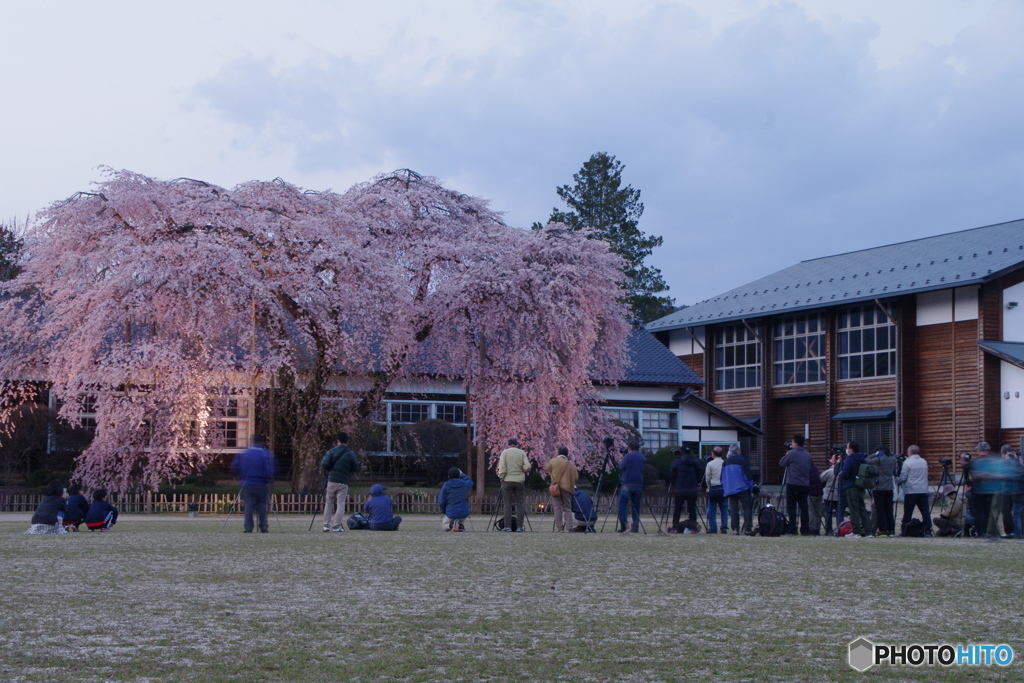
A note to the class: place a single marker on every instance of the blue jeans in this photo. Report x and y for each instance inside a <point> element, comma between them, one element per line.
<point>255,500</point>
<point>1018,509</point>
<point>723,507</point>
<point>632,495</point>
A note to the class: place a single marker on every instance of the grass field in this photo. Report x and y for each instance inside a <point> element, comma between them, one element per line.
<point>168,598</point>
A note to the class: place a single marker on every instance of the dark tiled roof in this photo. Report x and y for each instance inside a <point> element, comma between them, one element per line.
<point>954,259</point>
<point>1011,352</point>
<point>648,362</point>
<point>653,363</point>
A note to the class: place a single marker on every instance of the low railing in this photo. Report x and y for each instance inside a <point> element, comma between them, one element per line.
<point>290,503</point>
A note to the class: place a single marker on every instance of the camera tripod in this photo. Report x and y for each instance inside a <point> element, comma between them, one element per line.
<point>493,524</point>
<point>270,507</point>
<point>640,522</point>
<point>670,503</point>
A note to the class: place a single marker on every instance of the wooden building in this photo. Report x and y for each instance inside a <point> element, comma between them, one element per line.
<point>919,342</point>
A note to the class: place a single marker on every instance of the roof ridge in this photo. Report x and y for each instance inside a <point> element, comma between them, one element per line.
<point>917,239</point>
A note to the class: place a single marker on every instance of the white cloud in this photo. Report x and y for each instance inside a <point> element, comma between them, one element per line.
<point>759,132</point>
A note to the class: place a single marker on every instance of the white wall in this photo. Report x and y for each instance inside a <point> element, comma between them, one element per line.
<point>1013,318</point>
<point>686,342</point>
<point>621,393</point>
<point>934,308</point>
<point>1011,409</point>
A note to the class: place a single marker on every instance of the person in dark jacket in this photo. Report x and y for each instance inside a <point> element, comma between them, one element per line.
<point>102,515</point>
<point>454,500</point>
<point>50,511</point>
<point>583,511</point>
<point>684,482</point>
<point>338,464</point>
<point>379,508</point>
<point>737,486</point>
<point>797,478</point>
<point>255,467</point>
<point>78,508</point>
<point>854,494</point>
<point>631,468</point>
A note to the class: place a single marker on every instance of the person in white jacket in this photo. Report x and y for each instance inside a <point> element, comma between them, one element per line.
<point>914,478</point>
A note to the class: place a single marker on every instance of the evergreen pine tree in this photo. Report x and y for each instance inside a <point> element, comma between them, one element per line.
<point>598,201</point>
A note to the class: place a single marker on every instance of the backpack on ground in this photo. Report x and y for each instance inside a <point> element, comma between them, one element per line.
<point>771,522</point>
<point>358,521</point>
<point>845,528</point>
<point>867,476</point>
<point>500,524</point>
<point>914,528</point>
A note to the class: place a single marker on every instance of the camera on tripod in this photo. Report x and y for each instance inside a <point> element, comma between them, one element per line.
<point>788,445</point>
<point>946,463</point>
<point>838,449</point>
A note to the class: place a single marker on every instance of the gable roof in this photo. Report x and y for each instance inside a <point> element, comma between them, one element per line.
<point>1011,352</point>
<point>952,260</point>
<point>653,363</point>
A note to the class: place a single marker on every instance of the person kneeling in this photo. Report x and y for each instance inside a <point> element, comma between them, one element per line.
<point>454,500</point>
<point>951,523</point>
<point>102,515</point>
<point>379,509</point>
<point>583,511</point>
<point>78,508</point>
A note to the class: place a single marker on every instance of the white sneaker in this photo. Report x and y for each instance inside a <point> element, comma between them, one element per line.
<point>327,527</point>
<point>338,528</point>
<point>854,536</point>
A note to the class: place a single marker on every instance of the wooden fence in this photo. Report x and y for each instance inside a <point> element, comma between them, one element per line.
<point>289,503</point>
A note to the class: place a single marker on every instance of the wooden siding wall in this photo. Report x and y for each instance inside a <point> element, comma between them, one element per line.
<point>696,363</point>
<point>947,388</point>
<point>790,417</point>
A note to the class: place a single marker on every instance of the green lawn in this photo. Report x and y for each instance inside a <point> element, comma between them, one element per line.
<point>168,598</point>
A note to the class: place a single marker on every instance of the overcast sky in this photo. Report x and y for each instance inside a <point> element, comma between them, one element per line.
<point>760,133</point>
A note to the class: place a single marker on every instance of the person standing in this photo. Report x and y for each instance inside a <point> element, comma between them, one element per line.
<point>716,496</point>
<point>737,486</point>
<point>513,466</point>
<point>881,495</point>
<point>798,466</point>
<point>815,492</point>
<point>454,500</point>
<point>981,488</point>
<point>684,482</point>
<point>563,474</point>
<point>831,488</point>
<point>854,494</point>
<point>914,478</point>
<point>631,469</point>
<point>255,468</point>
<point>338,464</point>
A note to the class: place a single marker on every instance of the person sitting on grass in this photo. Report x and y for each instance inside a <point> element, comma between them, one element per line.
<point>379,507</point>
<point>454,500</point>
<point>951,522</point>
<point>50,512</point>
<point>78,508</point>
<point>102,515</point>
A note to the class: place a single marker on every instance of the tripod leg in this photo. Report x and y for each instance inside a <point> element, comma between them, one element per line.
<point>231,509</point>
<point>318,508</point>
<point>610,505</point>
<point>655,516</point>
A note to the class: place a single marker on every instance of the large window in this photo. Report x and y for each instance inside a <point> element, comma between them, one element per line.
<point>657,428</point>
<point>870,436</point>
<point>737,358</point>
<point>867,343</point>
<point>800,349</point>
